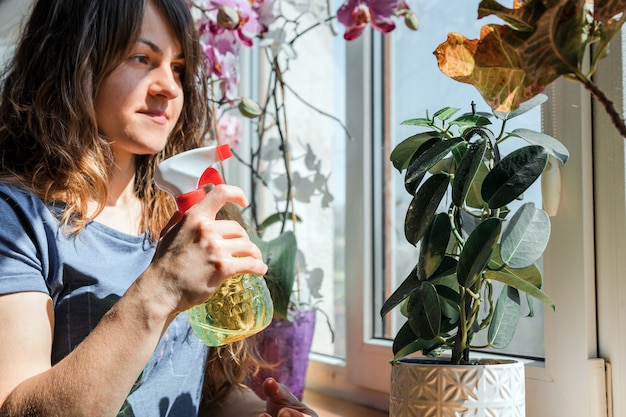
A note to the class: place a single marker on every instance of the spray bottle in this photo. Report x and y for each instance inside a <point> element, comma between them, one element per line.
<point>242,305</point>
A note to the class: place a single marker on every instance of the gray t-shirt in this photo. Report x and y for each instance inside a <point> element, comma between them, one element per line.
<point>84,276</point>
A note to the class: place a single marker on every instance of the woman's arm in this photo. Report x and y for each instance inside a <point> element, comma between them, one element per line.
<point>92,380</point>
<point>191,261</point>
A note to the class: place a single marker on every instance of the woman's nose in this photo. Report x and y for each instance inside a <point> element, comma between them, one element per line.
<point>165,83</point>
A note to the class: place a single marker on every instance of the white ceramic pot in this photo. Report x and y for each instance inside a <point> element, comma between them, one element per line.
<point>436,389</point>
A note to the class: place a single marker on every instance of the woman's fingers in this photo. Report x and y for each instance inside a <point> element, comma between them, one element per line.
<point>217,198</point>
<point>197,252</point>
<point>282,403</point>
<point>228,247</point>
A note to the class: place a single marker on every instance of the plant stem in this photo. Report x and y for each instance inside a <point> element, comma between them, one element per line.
<point>323,113</point>
<point>282,133</point>
<point>455,231</point>
<point>608,105</point>
<point>461,335</point>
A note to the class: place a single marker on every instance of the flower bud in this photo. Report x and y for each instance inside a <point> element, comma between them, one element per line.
<point>249,108</point>
<point>411,21</point>
<point>227,18</point>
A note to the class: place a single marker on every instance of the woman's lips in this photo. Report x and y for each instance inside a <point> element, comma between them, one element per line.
<point>159,117</point>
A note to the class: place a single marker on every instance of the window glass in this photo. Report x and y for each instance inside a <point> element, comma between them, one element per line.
<point>315,106</point>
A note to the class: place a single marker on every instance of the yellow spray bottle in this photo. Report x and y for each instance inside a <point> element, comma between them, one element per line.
<point>242,306</point>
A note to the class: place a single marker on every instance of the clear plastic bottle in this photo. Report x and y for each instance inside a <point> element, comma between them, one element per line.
<point>241,307</point>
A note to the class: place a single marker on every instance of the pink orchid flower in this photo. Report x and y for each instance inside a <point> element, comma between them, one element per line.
<point>356,14</point>
<point>267,11</point>
<point>249,25</point>
<point>229,129</point>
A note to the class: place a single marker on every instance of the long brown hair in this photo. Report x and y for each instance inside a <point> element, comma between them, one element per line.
<point>49,138</point>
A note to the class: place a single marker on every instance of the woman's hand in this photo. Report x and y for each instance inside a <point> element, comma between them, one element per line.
<point>198,253</point>
<point>282,403</point>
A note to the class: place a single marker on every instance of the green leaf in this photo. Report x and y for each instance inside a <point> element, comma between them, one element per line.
<point>526,236</point>
<point>477,251</point>
<point>531,274</point>
<point>449,300</point>
<point>280,256</point>
<point>446,166</point>
<point>474,198</point>
<point>418,121</point>
<point>467,170</point>
<point>505,318</point>
<point>420,164</point>
<point>402,292</point>
<point>523,108</point>
<point>470,120</point>
<point>446,113</point>
<point>510,177</point>
<point>531,306</point>
<point>404,151</point>
<point>512,278</point>
<point>423,207</point>
<point>433,246</point>
<point>277,218</point>
<point>407,342</point>
<point>552,145</point>
<point>404,337</point>
<point>446,268</point>
<point>424,311</point>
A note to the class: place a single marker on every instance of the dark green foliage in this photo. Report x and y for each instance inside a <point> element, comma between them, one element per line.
<point>476,239</point>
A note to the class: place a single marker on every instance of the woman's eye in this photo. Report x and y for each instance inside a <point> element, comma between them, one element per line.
<point>178,68</point>
<point>141,59</point>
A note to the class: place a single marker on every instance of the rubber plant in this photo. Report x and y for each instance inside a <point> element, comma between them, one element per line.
<point>468,235</point>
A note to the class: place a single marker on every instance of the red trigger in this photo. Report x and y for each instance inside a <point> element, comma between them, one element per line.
<point>210,176</point>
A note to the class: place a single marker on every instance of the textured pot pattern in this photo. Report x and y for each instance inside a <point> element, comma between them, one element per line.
<point>442,390</point>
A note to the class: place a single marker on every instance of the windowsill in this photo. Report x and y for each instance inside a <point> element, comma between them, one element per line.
<point>327,386</point>
<point>326,406</point>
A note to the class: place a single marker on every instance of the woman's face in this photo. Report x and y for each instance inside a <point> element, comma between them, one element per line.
<point>139,103</point>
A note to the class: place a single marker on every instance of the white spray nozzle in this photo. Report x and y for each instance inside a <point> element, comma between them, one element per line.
<point>183,174</point>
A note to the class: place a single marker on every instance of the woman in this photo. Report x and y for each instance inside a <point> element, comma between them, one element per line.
<point>98,93</point>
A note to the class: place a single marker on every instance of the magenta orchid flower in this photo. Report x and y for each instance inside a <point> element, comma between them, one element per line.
<point>356,14</point>
<point>221,43</point>
<point>248,26</point>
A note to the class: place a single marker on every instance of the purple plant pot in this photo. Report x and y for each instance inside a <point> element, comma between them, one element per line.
<point>286,345</point>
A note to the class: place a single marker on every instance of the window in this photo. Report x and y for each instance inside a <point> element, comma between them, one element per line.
<point>569,371</point>
<point>314,97</point>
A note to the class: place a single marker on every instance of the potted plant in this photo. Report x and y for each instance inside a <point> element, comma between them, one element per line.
<point>469,238</point>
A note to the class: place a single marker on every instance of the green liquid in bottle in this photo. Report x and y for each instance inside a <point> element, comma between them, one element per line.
<point>241,307</point>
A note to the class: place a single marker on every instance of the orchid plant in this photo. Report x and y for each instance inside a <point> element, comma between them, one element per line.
<point>226,27</point>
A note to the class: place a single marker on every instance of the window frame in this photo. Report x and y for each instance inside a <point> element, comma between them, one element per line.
<point>609,150</point>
